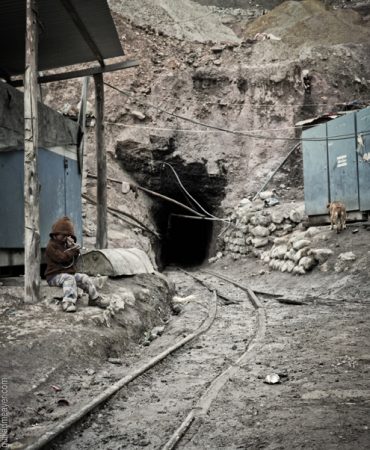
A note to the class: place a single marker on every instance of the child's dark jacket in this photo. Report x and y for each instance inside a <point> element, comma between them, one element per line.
<point>58,260</point>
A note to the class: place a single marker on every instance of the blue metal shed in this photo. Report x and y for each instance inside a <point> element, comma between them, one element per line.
<point>336,165</point>
<point>59,175</point>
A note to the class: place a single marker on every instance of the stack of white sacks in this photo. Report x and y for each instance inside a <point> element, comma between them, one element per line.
<point>274,234</point>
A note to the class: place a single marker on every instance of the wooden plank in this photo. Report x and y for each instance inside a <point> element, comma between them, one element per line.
<point>101,159</point>
<point>32,255</point>
<point>81,73</point>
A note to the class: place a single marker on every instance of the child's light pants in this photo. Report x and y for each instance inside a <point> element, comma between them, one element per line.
<point>70,282</point>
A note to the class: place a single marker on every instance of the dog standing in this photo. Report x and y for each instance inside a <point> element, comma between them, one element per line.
<point>338,215</point>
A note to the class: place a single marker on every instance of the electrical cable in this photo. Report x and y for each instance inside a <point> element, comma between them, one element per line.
<point>188,130</point>
<point>195,131</point>
<point>190,196</point>
<point>240,133</point>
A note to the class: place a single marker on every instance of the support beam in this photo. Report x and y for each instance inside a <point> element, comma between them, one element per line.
<point>31,184</point>
<point>101,159</point>
<point>82,122</point>
<point>80,73</point>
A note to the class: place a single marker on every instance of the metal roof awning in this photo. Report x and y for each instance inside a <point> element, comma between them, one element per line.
<point>70,32</point>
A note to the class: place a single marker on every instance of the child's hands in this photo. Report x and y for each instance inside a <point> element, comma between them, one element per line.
<point>70,242</point>
<point>72,246</point>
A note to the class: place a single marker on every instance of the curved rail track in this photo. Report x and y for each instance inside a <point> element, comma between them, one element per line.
<point>204,373</point>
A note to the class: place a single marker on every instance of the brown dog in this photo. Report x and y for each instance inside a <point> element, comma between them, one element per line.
<point>338,215</point>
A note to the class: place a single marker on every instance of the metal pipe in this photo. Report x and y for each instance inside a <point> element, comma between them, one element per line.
<point>276,170</point>
<point>184,216</point>
<point>119,211</point>
<point>148,191</point>
<point>202,406</point>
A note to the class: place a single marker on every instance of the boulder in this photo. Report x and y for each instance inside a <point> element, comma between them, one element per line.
<point>301,243</point>
<point>272,227</point>
<point>260,231</point>
<point>297,215</point>
<point>312,231</point>
<point>320,254</point>
<point>245,202</point>
<point>259,242</point>
<point>256,253</point>
<point>291,254</point>
<point>299,270</point>
<point>287,228</point>
<point>138,115</point>
<point>277,217</point>
<point>276,264</point>
<point>261,218</point>
<point>265,195</point>
<point>348,256</point>
<point>265,257</point>
<point>301,253</point>
<point>307,262</point>
<point>296,236</point>
<point>281,240</point>
<point>289,265</point>
<point>279,251</point>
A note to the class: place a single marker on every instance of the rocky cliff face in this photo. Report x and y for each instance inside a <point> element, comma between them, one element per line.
<point>248,73</point>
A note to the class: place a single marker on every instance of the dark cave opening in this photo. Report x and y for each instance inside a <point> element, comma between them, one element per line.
<point>186,238</point>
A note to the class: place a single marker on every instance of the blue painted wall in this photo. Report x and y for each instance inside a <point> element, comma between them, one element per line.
<point>60,194</point>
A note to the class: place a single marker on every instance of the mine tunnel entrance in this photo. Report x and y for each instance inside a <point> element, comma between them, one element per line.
<point>185,240</point>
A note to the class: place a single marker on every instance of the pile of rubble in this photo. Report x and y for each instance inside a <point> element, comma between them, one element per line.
<point>275,234</point>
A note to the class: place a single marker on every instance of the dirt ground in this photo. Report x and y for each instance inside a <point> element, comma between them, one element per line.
<point>320,349</point>
<point>50,358</point>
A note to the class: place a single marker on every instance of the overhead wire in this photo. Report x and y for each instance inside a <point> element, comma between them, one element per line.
<point>238,132</point>
<point>189,195</point>
<point>188,130</point>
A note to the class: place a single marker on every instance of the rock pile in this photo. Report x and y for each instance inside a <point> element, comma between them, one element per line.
<point>275,235</point>
<point>295,253</point>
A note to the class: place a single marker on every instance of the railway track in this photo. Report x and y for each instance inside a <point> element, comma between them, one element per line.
<point>157,404</point>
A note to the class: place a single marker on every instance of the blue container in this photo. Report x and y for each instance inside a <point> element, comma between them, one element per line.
<point>337,167</point>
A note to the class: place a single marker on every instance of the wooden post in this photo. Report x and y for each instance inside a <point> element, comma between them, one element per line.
<point>31,184</point>
<point>101,159</point>
<point>82,122</point>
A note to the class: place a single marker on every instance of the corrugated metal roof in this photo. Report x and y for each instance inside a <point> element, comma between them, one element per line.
<point>60,41</point>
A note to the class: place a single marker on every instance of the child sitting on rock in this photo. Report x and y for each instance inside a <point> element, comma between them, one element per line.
<point>62,253</point>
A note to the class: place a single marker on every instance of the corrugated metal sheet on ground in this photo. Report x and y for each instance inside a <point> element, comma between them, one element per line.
<point>115,262</point>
